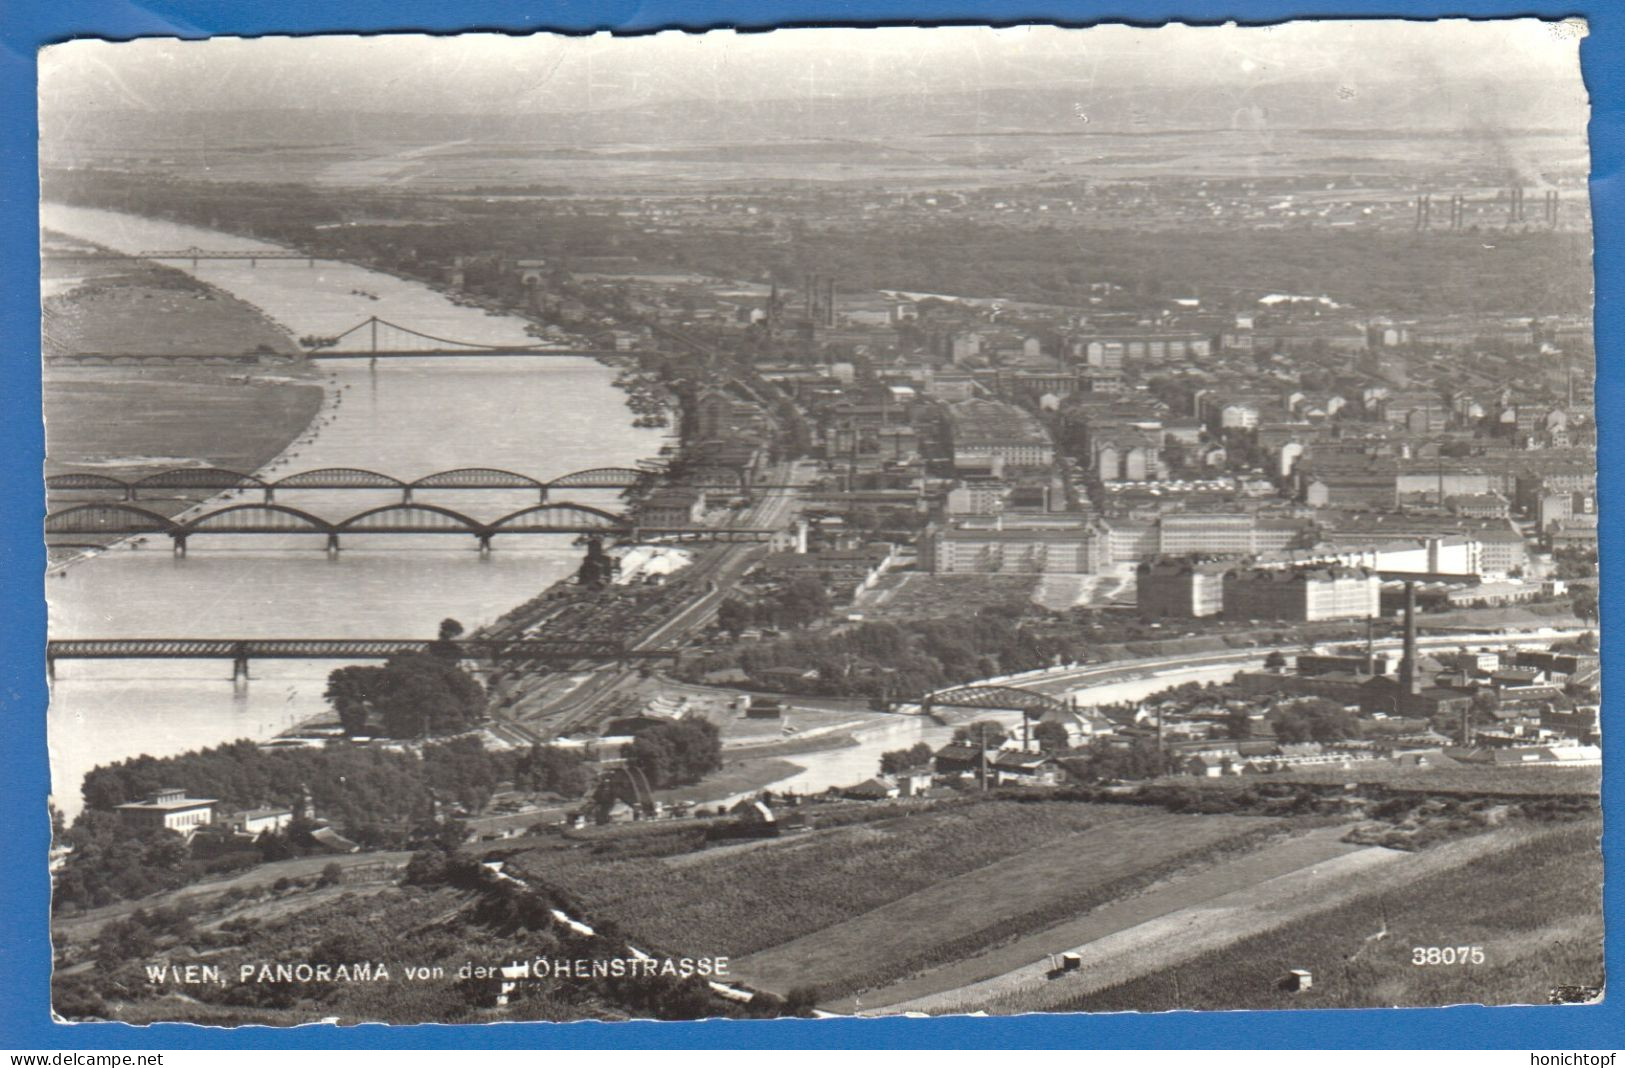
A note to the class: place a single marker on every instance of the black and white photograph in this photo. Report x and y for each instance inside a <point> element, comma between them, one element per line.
<point>826,522</point>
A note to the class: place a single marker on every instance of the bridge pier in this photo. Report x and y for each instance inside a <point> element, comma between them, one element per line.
<point>239,667</point>
<point>406,494</point>
<point>485,544</point>
<point>50,668</point>
<point>332,545</point>
<point>270,495</point>
<point>180,544</point>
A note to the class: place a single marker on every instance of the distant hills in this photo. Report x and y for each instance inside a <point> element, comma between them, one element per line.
<point>1398,107</point>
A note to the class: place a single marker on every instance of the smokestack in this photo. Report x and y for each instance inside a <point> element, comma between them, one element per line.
<point>829,302</point>
<point>1408,681</point>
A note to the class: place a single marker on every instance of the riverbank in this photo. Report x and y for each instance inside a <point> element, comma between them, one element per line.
<point>145,414</point>
<point>403,418</point>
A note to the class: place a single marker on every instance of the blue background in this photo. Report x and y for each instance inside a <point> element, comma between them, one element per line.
<point>24,947</point>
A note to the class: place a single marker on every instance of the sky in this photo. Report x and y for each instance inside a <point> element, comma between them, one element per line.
<point>550,73</point>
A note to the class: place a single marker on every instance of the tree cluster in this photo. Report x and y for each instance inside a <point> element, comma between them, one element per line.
<point>894,661</point>
<point>377,797</point>
<point>1101,761</point>
<point>413,695</point>
<point>896,761</point>
<point>677,753</point>
<point>1314,720</point>
<point>798,603</point>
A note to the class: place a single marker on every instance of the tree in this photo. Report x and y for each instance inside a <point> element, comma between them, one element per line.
<point>353,694</point>
<point>1101,760</point>
<point>801,602</point>
<point>982,732</point>
<point>597,567</point>
<point>734,615</point>
<point>677,753</point>
<point>413,694</point>
<point>1481,709</point>
<point>1314,720</point>
<point>1051,738</point>
<point>800,1001</point>
<point>900,760</point>
<point>445,645</point>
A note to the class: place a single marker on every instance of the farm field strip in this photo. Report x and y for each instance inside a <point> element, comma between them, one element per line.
<point>1182,891</point>
<point>1533,908</point>
<point>963,906</point>
<point>738,903</point>
<point>1228,918</point>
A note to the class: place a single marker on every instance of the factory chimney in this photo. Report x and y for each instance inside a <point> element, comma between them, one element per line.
<point>1408,681</point>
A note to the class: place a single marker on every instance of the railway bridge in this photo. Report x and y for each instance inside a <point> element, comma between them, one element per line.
<point>240,651</point>
<point>119,519</point>
<point>213,480</point>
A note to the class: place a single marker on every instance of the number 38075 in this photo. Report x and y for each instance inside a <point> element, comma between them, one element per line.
<point>1424,955</point>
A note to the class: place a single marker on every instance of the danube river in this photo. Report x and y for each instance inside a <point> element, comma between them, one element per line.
<point>542,417</point>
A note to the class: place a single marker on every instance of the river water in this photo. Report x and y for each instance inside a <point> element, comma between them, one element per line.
<point>853,764</point>
<point>542,417</point>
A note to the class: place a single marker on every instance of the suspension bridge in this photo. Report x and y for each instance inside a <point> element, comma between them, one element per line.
<point>195,255</point>
<point>371,339</point>
<point>212,480</point>
<point>120,520</point>
<point>375,338</point>
<point>241,650</point>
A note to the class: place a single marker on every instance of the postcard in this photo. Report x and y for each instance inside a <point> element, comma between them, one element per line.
<point>823,522</point>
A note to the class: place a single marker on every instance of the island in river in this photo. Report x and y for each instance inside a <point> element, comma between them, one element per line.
<point>135,417</point>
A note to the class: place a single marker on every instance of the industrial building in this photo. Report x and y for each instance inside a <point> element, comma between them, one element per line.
<point>1306,595</point>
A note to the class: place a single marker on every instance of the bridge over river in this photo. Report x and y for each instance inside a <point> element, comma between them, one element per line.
<point>560,517</point>
<point>241,650</point>
<point>370,339</point>
<point>213,480</point>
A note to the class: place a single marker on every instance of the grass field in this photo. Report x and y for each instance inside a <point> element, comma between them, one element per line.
<point>851,907</point>
<point>916,595</point>
<point>1190,881</point>
<point>1010,896</point>
<point>735,904</point>
<point>1534,907</point>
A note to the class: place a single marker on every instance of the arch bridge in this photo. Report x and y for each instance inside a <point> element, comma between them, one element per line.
<point>994,698</point>
<point>119,519</point>
<point>213,480</point>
